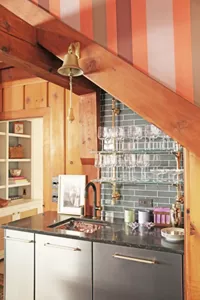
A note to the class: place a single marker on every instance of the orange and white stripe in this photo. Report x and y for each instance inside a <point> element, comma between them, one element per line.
<point>160,37</point>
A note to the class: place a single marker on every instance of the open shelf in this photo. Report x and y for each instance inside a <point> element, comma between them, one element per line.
<point>2,133</point>
<point>2,187</point>
<point>18,185</point>
<point>19,160</point>
<point>135,182</point>
<point>137,151</point>
<point>17,135</point>
<point>2,160</point>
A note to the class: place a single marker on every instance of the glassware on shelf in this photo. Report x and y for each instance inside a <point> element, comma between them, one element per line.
<point>152,133</point>
<point>137,135</point>
<point>128,138</point>
<point>123,161</point>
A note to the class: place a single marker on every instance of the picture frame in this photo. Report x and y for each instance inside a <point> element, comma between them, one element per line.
<point>71,190</point>
<point>18,127</point>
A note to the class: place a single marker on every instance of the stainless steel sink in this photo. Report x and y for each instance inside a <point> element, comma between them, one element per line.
<point>80,225</point>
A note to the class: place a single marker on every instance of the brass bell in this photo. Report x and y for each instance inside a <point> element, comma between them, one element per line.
<point>70,65</point>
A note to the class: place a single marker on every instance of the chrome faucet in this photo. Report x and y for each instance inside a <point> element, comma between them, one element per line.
<point>95,207</point>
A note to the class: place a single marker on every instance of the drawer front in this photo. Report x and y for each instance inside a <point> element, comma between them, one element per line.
<point>130,273</point>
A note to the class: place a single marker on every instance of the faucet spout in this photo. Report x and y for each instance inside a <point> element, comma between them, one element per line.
<point>95,207</point>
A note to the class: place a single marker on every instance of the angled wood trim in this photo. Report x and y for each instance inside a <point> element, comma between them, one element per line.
<point>23,114</point>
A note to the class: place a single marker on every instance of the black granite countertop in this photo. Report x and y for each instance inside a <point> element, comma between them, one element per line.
<point>117,233</point>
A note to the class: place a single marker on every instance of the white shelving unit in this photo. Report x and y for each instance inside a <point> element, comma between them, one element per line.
<point>31,164</point>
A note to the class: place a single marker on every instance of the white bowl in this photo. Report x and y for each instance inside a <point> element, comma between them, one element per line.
<point>173,234</point>
<point>15,172</point>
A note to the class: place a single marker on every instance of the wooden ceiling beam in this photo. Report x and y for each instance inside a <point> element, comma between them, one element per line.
<point>157,104</point>
<point>4,66</point>
<point>18,47</point>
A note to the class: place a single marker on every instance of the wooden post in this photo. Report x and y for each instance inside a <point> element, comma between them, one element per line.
<point>192,226</point>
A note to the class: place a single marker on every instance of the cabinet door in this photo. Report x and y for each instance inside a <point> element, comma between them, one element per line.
<point>19,265</point>
<point>28,213</point>
<point>129,273</point>
<point>63,269</point>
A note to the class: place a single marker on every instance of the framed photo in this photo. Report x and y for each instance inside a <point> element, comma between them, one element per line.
<point>71,194</point>
<point>19,127</point>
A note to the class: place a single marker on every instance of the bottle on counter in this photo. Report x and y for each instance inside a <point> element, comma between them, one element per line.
<point>175,214</point>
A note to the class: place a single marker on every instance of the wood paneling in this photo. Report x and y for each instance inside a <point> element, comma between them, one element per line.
<point>13,98</point>
<point>57,131</point>
<point>1,100</point>
<point>73,162</point>
<point>89,110</point>
<point>36,95</point>
<point>47,179</point>
<point>28,213</point>
<point>192,226</point>
<point>89,122</point>
<point>6,219</point>
<point>65,144</point>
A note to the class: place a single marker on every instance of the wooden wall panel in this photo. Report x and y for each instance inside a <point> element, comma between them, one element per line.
<point>57,132</point>
<point>89,110</point>
<point>13,98</point>
<point>73,162</point>
<point>192,226</point>
<point>36,95</point>
<point>89,120</point>
<point>1,100</point>
<point>66,145</point>
<point>47,163</point>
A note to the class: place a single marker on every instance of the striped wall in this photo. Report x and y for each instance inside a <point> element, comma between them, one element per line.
<point>160,37</point>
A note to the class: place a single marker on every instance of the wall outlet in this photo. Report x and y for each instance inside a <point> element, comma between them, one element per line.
<point>145,202</point>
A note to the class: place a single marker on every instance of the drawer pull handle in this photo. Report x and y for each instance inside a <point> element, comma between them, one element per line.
<point>140,260</point>
<point>61,247</point>
<point>8,238</point>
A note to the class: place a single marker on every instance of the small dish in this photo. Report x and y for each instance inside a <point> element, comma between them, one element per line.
<point>173,234</point>
<point>15,172</point>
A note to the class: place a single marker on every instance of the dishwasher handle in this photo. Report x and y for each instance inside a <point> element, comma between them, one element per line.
<point>62,247</point>
<point>135,259</point>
